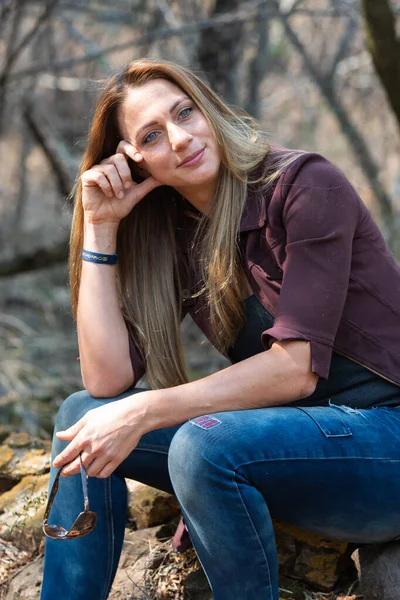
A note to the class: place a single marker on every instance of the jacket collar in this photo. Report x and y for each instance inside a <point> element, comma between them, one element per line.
<point>255,210</point>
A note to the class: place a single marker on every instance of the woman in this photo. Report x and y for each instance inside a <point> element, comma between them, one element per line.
<point>279,262</point>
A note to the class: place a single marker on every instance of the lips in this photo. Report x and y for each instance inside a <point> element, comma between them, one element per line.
<point>191,157</point>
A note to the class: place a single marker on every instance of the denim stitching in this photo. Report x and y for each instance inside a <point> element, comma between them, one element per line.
<point>110,529</point>
<point>187,521</point>
<point>252,462</point>
<point>256,533</point>
<point>149,448</point>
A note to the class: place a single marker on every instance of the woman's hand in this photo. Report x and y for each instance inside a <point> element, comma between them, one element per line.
<point>105,436</point>
<point>108,191</point>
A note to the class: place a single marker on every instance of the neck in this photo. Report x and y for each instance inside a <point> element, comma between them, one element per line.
<point>199,197</point>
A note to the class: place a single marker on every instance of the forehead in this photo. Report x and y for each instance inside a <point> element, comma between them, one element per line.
<point>147,101</point>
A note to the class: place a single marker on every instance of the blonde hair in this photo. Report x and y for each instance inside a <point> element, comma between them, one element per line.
<point>147,274</point>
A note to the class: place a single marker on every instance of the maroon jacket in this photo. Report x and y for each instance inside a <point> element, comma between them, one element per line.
<point>317,261</point>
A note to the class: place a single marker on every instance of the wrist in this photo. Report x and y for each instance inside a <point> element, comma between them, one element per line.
<point>101,237</point>
<point>154,414</point>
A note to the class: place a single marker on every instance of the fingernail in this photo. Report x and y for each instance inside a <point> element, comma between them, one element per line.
<point>137,156</point>
<point>120,194</point>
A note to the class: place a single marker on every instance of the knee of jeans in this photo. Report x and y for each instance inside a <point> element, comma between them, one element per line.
<point>72,409</point>
<point>190,455</point>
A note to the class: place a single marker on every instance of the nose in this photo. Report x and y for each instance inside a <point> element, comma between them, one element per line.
<point>178,137</point>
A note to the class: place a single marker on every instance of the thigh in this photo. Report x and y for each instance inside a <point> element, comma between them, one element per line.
<point>148,462</point>
<point>343,481</point>
<point>331,470</point>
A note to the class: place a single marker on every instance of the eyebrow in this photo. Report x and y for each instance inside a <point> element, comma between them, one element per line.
<point>171,110</point>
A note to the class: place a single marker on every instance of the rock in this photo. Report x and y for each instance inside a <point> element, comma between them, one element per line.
<point>310,558</point>
<point>11,559</point>
<point>196,586</point>
<point>132,568</point>
<point>379,571</point>
<point>22,509</point>
<point>27,583</point>
<point>19,440</point>
<point>129,579</point>
<point>6,455</point>
<point>148,506</point>
<point>22,455</point>
<point>5,431</point>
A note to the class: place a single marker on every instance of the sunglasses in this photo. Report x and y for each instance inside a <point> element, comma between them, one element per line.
<point>85,521</point>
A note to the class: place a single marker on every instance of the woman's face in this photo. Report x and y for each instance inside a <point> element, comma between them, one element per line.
<point>166,127</point>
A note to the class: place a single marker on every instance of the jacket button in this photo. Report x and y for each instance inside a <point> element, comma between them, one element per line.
<point>185,294</point>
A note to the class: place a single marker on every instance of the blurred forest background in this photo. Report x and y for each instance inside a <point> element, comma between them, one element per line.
<point>322,75</point>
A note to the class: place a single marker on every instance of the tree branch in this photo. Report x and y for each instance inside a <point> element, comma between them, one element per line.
<point>244,14</point>
<point>63,163</point>
<point>12,57</point>
<point>349,129</point>
<point>27,257</point>
<point>344,45</point>
<point>384,47</point>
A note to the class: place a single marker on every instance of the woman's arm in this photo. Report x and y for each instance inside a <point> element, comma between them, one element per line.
<point>274,377</point>
<point>108,196</point>
<point>106,435</point>
<point>102,334</point>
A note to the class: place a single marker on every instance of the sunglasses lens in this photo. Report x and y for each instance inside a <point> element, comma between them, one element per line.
<point>84,524</point>
<point>56,532</point>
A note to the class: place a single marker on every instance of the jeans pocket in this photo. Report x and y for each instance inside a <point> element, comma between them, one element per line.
<point>328,420</point>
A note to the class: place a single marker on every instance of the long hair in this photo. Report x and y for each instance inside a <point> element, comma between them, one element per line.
<point>147,274</point>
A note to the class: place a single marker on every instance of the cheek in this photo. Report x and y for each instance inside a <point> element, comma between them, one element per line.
<point>155,161</point>
<point>206,128</point>
<point>208,133</point>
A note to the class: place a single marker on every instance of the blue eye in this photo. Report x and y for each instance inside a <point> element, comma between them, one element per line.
<point>146,139</point>
<point>183,110</point>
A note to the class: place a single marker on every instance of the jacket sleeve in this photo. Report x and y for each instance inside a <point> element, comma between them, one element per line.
<point>320,212</point>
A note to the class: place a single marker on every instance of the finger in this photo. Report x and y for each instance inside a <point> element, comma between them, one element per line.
<point>96,177</point>
<point>107,471</point>
<point>123,169</point>
<point>72,431</point>
<point>144,187</point>
<point>130,150</point>
<point>74,467</point>
<point>110,171</point>
<point>96,466</point>
<point>69,454</point>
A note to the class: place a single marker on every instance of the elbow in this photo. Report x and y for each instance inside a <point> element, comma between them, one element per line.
<point>109,385</point>
<point>295,357</point>
<point>104,389</point>
<point>308,384</point>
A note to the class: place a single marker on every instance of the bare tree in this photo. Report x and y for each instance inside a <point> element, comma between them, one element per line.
<point>220,51</point>
<point>231,41</point>
<point>325,80</point>
<point>384,47</point>
<point>14,48</point>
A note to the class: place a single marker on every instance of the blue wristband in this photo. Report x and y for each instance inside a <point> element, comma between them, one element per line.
<point>100,259</point>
